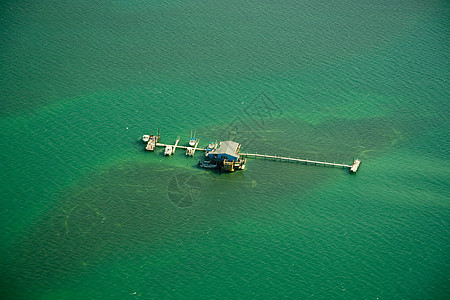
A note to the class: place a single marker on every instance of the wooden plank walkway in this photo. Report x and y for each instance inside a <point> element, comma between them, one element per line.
<point>290,159</point>
<point>177,146</point>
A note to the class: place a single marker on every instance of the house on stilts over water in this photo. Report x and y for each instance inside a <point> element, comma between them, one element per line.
<point>226,157</point>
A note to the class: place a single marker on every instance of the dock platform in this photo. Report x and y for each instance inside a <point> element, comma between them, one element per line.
<point>151,141</point>
<point>355,165</point>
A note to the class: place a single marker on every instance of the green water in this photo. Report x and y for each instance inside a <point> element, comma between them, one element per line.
<point>88,214</point>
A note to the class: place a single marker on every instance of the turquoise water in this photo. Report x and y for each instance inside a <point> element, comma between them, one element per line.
<point>87,213</point>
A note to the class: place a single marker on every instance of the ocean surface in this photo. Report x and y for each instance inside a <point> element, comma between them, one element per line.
<point>86,213</point>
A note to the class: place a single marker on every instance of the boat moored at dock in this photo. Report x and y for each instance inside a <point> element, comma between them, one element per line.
<point>192,140</point>
<point>168,151</point>
<point>190,151</point>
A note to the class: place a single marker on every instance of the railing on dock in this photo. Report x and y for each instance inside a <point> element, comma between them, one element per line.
<point>306,161</point>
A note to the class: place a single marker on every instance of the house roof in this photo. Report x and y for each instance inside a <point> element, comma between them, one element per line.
<point>227,147</point>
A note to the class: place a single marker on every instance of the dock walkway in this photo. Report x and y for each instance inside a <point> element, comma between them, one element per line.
<point>181,147</point>
<point>290,159</point>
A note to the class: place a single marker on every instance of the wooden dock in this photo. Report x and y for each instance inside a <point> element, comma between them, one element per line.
<point>190,151</point>
<point>152,143</point>
<point>152,140</point>
<point>353,168</point>
<point>181,147</point>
